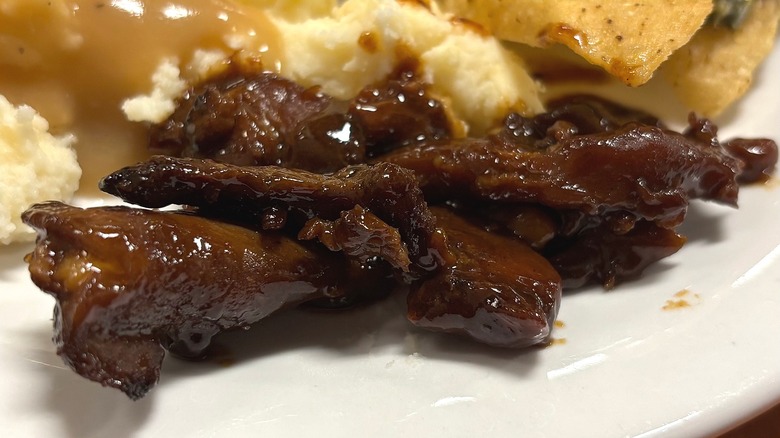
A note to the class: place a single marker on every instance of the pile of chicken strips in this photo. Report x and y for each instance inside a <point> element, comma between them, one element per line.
<point>280,196</point>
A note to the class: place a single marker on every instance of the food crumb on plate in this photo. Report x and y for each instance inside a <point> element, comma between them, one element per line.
<point>679,301</point>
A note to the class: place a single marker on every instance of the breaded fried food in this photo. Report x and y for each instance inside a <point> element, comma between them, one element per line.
<point>716,67</point>
<point>629,39</point>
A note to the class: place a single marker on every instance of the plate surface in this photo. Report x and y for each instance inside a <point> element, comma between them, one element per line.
<point>622,365</point>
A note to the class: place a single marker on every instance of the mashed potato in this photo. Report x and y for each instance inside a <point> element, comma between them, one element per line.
<point>35,166</point>
<point>169,84</point>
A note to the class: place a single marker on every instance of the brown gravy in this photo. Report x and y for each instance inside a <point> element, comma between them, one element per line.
<point>75,61</point>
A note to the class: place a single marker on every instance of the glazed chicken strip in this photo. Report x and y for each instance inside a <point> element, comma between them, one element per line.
<point>386,190</point>
<point>259,118</point>
<point>497,290</point>
<point>640,169</point>
<point>130,283</point>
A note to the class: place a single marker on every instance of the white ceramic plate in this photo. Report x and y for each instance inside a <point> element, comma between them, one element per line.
<point>623,366</point>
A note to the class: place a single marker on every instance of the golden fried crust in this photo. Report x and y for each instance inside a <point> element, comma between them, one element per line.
<point>716,67</point>
<point>629,39</point>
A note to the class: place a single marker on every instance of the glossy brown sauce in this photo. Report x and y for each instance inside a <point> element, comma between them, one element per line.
<point>486,232</point>
<point>75,61</point>
<point>368,42</point>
